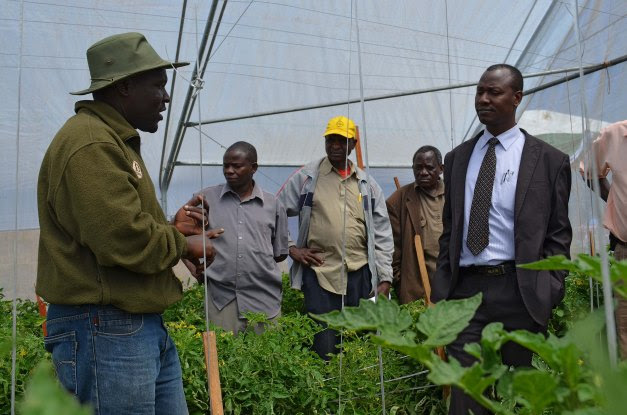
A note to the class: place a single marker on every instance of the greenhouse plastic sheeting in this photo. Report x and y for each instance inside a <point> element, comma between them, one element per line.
<point>275,55</point>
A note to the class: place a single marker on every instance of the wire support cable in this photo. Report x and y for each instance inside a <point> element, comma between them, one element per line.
<point>343,268</point>
<point>370,230</point>
<point>15,247</point>
<point>610,323</point>
<point>416,388</point>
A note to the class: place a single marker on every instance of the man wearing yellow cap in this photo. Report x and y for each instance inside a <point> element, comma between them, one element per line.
<point>106,250</point>
<point>345,245</point>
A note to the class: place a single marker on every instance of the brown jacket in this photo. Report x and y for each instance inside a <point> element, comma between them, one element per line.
<point>407,220</point>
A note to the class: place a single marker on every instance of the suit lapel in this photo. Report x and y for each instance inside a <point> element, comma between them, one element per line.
<point>413,208</point>
<point>528,161</point>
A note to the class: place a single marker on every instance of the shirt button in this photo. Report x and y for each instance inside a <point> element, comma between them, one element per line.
<point>241,222</point>
<point>239,237</point>
<point>239,256</point>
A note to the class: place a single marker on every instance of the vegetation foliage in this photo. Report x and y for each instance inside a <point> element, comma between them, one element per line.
<point>276,373</point>
<point>573,375</point>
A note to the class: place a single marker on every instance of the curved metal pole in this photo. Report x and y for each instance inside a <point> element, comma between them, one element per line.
<point>187,107</point>
<point>587,70</point>
<point>164,199</point>
<point>523,53</point>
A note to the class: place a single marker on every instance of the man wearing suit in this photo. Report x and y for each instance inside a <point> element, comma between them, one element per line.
<point>506,203</point>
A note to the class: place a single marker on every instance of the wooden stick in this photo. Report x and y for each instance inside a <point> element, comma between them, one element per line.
<point>360,160</point>
<point>591,239</point>
<point>397,183</point>
<point>213,372</point>
<point>446,390</point>
<point>43,311</point>
<point>422,266</point>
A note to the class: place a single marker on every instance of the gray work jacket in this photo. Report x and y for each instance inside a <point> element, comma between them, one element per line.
<point>297,195</point>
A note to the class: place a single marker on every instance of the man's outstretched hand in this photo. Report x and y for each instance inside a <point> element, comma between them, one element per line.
<point>197,249</point>
<point>189,219</point>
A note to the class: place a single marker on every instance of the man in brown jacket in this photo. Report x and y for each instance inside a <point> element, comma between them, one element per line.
<point>416,209</point>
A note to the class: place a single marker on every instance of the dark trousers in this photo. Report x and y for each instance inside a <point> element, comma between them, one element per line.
<point>320,301</point>
<point>503,303</point>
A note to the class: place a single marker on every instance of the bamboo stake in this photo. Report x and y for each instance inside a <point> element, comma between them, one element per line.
<point>446,390</point>
<point>360,160</point>
<point>213,372</point>
<point>593,250</point>
<point>423,269</point>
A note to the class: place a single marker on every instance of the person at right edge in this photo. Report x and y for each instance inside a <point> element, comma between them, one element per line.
<point>505,204</point>
<point>610,151</point>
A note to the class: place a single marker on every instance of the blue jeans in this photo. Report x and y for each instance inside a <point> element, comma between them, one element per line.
<point>118,362</point>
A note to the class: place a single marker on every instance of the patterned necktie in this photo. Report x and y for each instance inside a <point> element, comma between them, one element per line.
<point>478,226</point>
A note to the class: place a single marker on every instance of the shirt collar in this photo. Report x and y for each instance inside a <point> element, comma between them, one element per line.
<point>506,139</point>
<point>256,193</point>
<point>326,167</point>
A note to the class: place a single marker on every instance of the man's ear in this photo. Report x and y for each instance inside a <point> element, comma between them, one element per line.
<point>124,86</point>
<point>517,98</point>
<point>255,166</point>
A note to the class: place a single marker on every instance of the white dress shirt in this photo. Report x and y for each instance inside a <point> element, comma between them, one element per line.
<point>501,220</point>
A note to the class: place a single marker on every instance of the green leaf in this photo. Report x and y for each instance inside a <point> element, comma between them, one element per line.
<point>492,338</point>
<point>586,392</point>
<point>556,262</point>
<point>45,396</point>
<point>473,349</point>
<point>534,389</point>
<point>384,315</point>
<point>446,373</point>
<point>546,348</point>
<point>443,322</point>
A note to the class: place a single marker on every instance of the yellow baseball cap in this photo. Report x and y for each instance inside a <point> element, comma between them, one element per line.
<point>341,125</point>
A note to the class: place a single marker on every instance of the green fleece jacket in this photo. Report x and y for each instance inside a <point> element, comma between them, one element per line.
<point>104,238</point>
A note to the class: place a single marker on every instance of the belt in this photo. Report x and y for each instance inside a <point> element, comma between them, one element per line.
<point>490,270</point>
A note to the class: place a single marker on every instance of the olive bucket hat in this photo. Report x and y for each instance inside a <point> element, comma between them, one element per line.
<point>119,56</point>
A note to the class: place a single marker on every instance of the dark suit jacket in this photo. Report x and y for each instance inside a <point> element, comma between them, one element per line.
<point>541,224</point>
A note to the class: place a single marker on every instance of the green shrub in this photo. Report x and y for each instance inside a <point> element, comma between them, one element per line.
<point>275,372</point>
<point>29,348</point>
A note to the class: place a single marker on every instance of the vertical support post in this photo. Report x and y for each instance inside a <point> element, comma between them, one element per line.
<point>360,159</point>
<point>213,372</point>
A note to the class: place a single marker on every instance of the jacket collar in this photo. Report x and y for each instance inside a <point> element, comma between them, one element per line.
<point>109,116</point>
<point>437,191</point>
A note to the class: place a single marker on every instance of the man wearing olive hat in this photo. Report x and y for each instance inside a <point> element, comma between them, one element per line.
<point>106,250</point>
<point>345,245</point>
